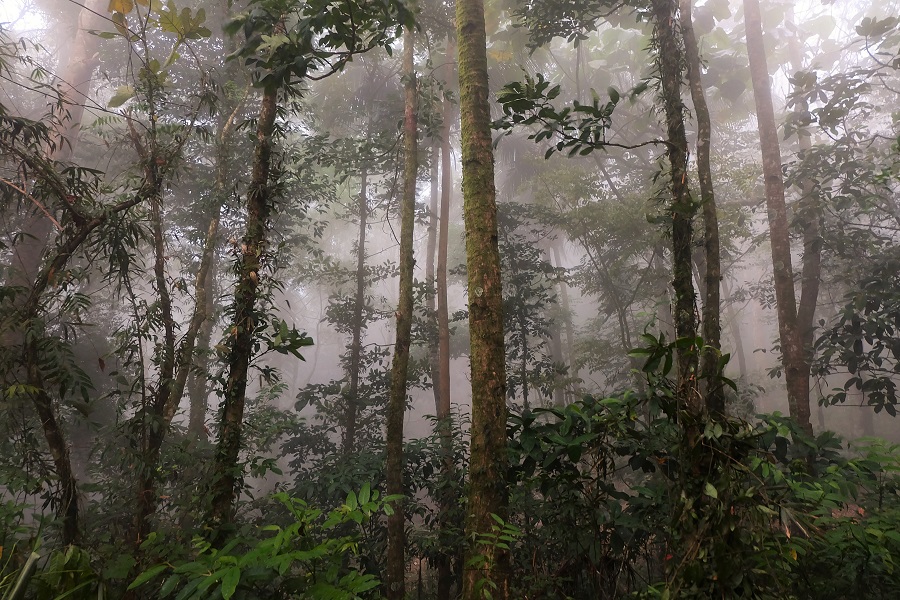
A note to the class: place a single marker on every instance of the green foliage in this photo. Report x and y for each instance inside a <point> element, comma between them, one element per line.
<point>580,128</point>
<point>529,282</point>
<point>288,41</point>
<point>303,559</point>
<point>633,495</point>
<point>500,540</point>
<point>865,338</point>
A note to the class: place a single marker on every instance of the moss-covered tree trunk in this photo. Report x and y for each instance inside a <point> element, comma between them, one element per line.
<point>396,557</point>
<point>670,60</point>
<point>796,365</point>
<point>712,319</point>
<point>488,463</point>
<point>227,471</point>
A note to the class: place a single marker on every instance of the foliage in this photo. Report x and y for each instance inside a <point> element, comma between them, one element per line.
<point>303,559</point>
<point>528,295</point>
<point>288,41</point>
<point>580,128</point>
<point>616,496</point>
<point>865,337</point>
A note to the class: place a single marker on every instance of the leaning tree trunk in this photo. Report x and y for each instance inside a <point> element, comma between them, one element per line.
<point>488,463</point>
<point>796,365</point>
<point>240,339</point>
<point>682,209</point>
<point>396,558</point>
<point>712,317</point>
<point>74,88</point>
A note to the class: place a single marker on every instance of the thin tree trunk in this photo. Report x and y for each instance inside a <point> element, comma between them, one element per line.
<point>434,359</point>
<point>569,356</point>
<point>807,214</point>
<point>712,319</point>
<point>197,384</point>
<point>352,401</point>
<point>488,463</point>
<point>67,510</point>
<point>670,60</point>
<point>444,423</point>
<point>443,312</point>
<point>796,366</point>
<point>198,387</point>
<point>396,557</point>
<point>74,86</point>
<point>68,505</point>
<point>227,471</point>
<point>735,327</point>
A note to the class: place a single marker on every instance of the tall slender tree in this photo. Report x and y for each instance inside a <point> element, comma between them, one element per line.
<point>670,60</point>
<point>488,462</point>
<point>712,322</point>
<point>794,359</point>
<point>244,323</point>
<point>396,561</point>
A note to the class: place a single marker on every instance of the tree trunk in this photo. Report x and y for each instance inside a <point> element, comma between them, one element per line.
<point>444,422</point>
<point>670,60</point>
<point>434,359</point>
<point>74,87</point>
<point>569,357</point>
<point>227,471</point>
<point>351,414</point>
<point>796,365</point>
<point>712,319</point>
<point>808,216</point>
<point>67,510</point>
<point>396,558</point>
<point>735,326</point>
<point>488,462</point>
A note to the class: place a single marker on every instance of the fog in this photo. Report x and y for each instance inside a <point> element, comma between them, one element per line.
<point>132,151</point>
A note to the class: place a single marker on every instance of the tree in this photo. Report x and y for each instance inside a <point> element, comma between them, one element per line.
<point>396,563</point>
<point>488,463</point>
<point>316,41</point>
<point>669,56</point>
<point>712,327</point>
<point>794,358</point>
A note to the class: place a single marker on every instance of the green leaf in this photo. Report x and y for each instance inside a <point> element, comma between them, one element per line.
<point>364,494</point>
<point>613,94</point>
<point>123,94</point>
<point>147,575</point>
<point>710,490</point>
<point>230,582</point>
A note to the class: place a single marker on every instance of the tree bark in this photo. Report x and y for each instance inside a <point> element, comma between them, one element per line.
<point>567,321</point>
<point>351,414</point>
<point>669,61</point>
<point>488,462</point>
<point>712,319</point>
<point>396,557</point>
<point>796,365</point>
<point>808,217</point>
<point>227,471</point>
<point>434,359</point>
<point>74,87</point>
<point>444,421</point>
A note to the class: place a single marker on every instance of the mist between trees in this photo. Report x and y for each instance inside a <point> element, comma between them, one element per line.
<point>408,299</point>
